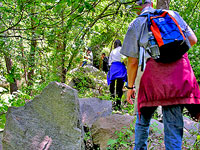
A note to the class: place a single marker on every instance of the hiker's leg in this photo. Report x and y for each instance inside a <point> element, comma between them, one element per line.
<point>112,89</point>
<point>142,128</point>
<point>119,92</point>
<point>173,126</point>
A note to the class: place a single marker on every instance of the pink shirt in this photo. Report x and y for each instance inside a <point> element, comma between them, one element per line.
<point>168,84</point>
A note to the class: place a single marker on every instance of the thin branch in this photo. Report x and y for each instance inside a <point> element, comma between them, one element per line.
<point>194,11</point>
<point>19,36</point>
<point>14,24</point>
<point>116,33</point>
<point>85,24</point>
<point>98,17</point>
<point>128,2</point>
<point>9,28</point>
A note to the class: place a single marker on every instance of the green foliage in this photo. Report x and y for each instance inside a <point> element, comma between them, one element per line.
<point>155,128</point>
<point>46,37</point>
<point>7,100</point>
<point>87,136</point>
<point>13,75</point>
<point>196,134</point>
<point>89,82</point>
<point>128,108</point>
<point>194,54</point>
<point>124,138</point>
<point>197,144</point>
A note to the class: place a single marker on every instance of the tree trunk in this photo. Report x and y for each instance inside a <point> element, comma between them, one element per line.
<point>9,66</point>
<point>60,68</point>
<point>13,81</point>
<point>64,71</point>
<point>162,4</point>
<point>31,61</point>
<point>63,74</point>
<point>24,63</point>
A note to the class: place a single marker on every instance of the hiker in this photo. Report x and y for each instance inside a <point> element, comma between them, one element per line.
<point>170,85</point>
<point>88,57</point>
<point>105,62</point>
<point>117,73</point>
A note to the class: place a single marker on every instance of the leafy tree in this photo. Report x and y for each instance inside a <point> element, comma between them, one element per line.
<point>189,10</point>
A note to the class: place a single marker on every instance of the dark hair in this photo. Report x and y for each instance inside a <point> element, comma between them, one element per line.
<point>103,54</point>
<point>117,43</point>
<point>89,49</point>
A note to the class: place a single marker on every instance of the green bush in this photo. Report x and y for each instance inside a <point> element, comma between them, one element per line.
<point>89,82</point>
<point>123,140</point>
<point>193,55</point>
<point>16,99</point>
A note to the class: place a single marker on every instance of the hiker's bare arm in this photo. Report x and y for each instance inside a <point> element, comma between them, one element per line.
<point>132,67</point>
<point>193,39</point>
<point>125,60</point>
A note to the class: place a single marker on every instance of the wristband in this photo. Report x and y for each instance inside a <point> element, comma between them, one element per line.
<point>130,87</point>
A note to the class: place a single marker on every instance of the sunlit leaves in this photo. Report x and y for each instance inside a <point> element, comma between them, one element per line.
<point>80,10</point>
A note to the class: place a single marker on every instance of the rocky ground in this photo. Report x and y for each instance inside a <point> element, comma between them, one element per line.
<point>60,115</point>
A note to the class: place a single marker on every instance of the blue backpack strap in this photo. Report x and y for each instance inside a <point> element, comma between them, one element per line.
<point>148,15</point>
<point>148,18</point>
<point>158,11</point>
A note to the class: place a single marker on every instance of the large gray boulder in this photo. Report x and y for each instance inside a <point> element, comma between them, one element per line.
<point>94,108</point>
<point>156,135</point>
<point>0,141</point>
<point>105,128</point>
<point>191,126</point>
<point>191,129</point>
<point>189,137</point>
<point>50,121</point>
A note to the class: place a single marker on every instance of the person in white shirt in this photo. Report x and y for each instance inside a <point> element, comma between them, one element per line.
<point>117,73</point>
<point>88,57</point>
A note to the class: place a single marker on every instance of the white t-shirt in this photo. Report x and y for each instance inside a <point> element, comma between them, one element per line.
<point>116,56</point>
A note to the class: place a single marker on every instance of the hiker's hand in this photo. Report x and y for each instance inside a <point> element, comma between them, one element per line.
<point>130,94</point>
